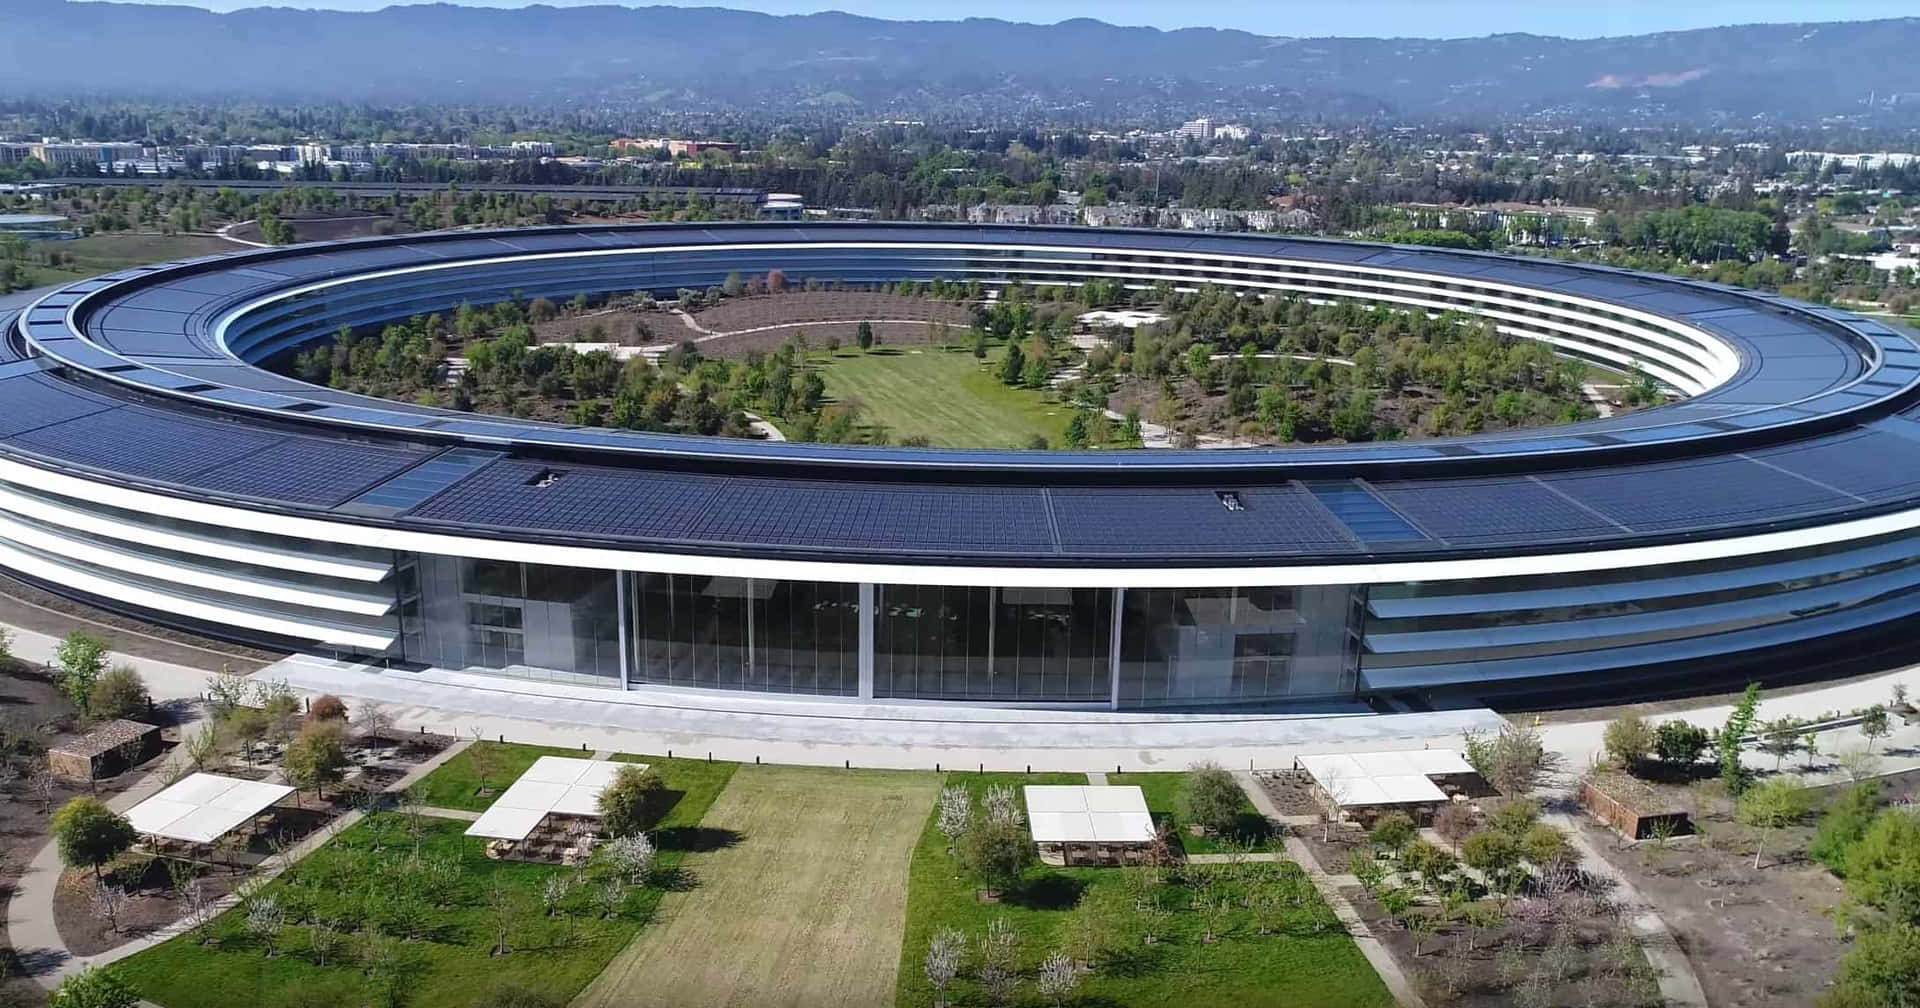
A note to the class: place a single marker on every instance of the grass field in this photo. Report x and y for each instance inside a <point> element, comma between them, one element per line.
<point>1306,963</point>
<point>1162,791</point>
<point>448,965</point>
<point>456,783</point>
<point>105,253</point>
<point>804,908</point>
<point>947,397</point>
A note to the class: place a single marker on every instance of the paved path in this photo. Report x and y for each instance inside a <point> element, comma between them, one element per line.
<point>870,735</point>
<point>437,812</point>
<point>1679,985</point>
<point>1370,946</point>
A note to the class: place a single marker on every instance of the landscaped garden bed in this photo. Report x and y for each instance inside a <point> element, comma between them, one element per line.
<point>1252,933</point>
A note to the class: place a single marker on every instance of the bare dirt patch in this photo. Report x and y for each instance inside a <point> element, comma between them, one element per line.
<point>805,910</point>
<point>764,322</point>
<point>1761,936</point>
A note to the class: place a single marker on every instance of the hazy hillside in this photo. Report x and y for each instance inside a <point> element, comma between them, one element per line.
<point>688,55</point>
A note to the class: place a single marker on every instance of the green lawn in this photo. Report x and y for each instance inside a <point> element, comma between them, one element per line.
<point>1162,791</point>
<point>456,783</point>
<point>944,396</point>
<point>105,253</point>
<point>1089,913</point>
<point>443,952</point>
<point>447,957</point>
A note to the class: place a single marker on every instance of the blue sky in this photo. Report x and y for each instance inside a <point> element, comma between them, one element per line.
<point>1423,18</point>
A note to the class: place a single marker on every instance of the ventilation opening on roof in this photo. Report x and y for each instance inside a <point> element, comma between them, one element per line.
<point>117,368</point>
<point>202,387</point>
<point>545,478</point>
<point>305,407</point>
<point>1230,499</point>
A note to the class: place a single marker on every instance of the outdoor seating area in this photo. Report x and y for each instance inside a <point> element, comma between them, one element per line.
<point>1365,786</point>
<point>204,808</point>
<point>550,814</point>
<point>1089,825</point>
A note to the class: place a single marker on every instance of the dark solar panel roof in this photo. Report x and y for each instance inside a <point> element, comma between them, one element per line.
<point>1641,475</point>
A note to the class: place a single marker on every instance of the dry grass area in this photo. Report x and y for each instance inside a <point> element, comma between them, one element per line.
<point>803,908</point>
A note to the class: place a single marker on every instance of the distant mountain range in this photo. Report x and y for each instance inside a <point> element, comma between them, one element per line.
<point>686,56</point>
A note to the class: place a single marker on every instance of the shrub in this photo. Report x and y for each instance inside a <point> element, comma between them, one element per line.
<point>1393,831</point>
<point>94,988</point>
<point>1629,740</point>
<point>1545,846</point>
<point>89,834</point>
<point>317,757</point>
<point>1494,853</point>
<point>118,693</point>
<point>1883,969</point>
<point>1431,863</point>
<point>1210,798</point>
<point>1515,818</point>
<point>1883,868</point>
<point>326,708</point>
<point>634,802</point>
<point>507,994</point>
<point>1680,743</point>
<point>1844,823</point>
<point>1511,761</point>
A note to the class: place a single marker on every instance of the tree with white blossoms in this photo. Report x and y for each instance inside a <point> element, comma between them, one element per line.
<point>995,972</point>
<point>945,952</point>
<point>1002,807</point>
<point>956,813</point>
<point>631,856</point>
<point>554,891</point>
<point>1058,978</point>
<point>266,918</point>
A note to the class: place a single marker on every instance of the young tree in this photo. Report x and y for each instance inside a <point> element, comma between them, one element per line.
<point>1780,738</point>
<point>1210,797</point>
<point>634,802</point>
<point>1875,725</point>
<point>89,834</point>
<point>1732,738</point>
<point>946,954</point>
<point>1393,830</point>
<point>956,814</point>
<point>264,921</point>
<point>997,852</point>
<point>1769,806</point>
<point>1003,806</point>
<point>503,910</point>
<point>554,891</point>
<point>317,757</point>
<point>118,693</point>
<point>94,988</point>
<point>226,691</point>
<point>631,856</point>
<point>864,336</point>
<point>996,969</point>
<point>82,659</point>
<point>1058,978</point>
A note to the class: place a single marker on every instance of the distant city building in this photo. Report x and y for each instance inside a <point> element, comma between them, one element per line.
<point>675,148</point>
<point>61,155</point>
<point>1197,129</point>
<point>783,206</point>
<point>1854,162</point>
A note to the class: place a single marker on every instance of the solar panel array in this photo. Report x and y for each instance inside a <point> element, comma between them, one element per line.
<point>1028,509</point>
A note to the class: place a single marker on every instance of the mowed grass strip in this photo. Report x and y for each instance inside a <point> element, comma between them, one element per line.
<point>945,396</point>
<point>800,903</point>
<point>1309,963</point>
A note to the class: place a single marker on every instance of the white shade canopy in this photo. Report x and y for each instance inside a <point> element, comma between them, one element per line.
<point>1402,777</point>
<point>204,807</point>
<point>552,784</point>
<point>1108,814</point>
